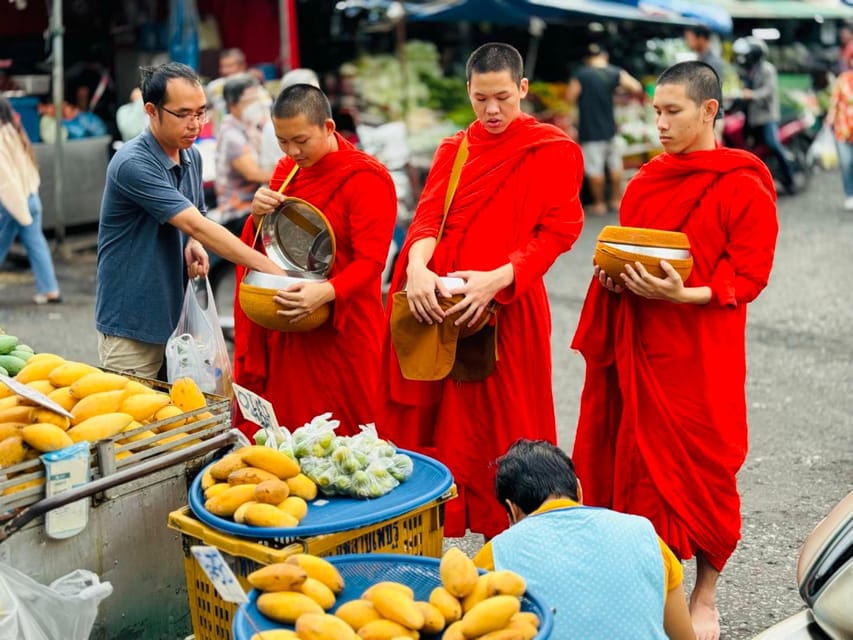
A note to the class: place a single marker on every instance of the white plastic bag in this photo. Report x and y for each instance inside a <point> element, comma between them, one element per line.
<point>196,349</point>
<point>823,148</point>
<point>65,610</point>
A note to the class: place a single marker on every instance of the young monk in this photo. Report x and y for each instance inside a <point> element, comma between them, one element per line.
<point>662,428</point>
<point>604,574</point>
<point>336,366</point>
<point>515,210</point>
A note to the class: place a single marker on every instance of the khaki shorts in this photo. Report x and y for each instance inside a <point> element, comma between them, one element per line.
<point>601,155</point>
<point>137,358</point>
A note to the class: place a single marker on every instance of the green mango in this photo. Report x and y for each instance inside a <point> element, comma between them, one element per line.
<point>7,344</point>
<point>3,371</point>
<point>24,347</point>
<point>12,364</point>
<point>20,353</point>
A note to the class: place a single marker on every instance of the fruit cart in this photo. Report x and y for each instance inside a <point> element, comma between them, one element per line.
<point>136,478</point>
<point>412,524</point>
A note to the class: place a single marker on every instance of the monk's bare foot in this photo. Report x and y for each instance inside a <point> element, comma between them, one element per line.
<point>597,209</point>
<point>706,619</point>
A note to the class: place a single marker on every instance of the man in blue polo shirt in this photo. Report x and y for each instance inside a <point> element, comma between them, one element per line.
<point>154,199</point>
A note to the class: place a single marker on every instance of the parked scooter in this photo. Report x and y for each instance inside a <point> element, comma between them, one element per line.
<point>825,581</point>
<point>796,136</point>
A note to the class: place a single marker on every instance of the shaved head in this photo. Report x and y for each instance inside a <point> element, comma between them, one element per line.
<point>700,81</point>
<point>303,100</point>
<point>495,57</point>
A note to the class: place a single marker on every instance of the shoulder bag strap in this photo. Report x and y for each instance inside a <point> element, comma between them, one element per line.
<point>461,156</point>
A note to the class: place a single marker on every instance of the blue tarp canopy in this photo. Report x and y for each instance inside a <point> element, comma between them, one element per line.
<point>714,16</point>
<point>519,12</point>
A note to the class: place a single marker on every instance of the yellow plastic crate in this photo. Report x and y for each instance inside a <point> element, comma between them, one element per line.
<point>419,532</point>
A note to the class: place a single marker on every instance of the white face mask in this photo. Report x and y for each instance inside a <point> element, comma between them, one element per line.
<point>255,114</point>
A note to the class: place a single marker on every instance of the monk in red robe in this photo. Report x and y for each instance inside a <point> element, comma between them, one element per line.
<point>515,210</point>
<point>336,366</point>
<point>662,428</point>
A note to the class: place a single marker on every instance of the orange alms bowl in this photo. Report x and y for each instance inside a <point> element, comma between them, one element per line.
<point>257,303</point>
<point>618,246</point>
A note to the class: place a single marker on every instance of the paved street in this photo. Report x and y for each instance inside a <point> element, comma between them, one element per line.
<point>800,386</point>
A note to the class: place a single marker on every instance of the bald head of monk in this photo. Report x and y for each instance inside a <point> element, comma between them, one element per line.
<point>687,102</point>
<point>496,85</point>
<point>302,119</point>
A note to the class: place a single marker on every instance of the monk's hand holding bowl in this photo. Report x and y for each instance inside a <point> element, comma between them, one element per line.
<point>422,290</point>
<point>300,300</point>
<point>479,290</point>
<point>639,281</point>
<point>265,201</point>
<point>606,281</point>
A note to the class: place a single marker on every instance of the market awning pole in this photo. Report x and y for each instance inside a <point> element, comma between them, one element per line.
<point>56,34</point>
<point>535,28</point>
<point>284,34</point>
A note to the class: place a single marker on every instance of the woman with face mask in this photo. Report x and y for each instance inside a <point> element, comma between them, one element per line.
<point>238,171</point>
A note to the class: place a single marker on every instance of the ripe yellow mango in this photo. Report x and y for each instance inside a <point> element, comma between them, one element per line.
<point>272,491</point>
<point>99,427</point>
<point>97,382</point>
<point>405,589</point>
<point>12,451</point>
<point>167,418</point>
<point>10,429</point>
<point>295,506</point>
<point>286,606</point>
<point>507,583</point>
<point>489,615</point>
<point>134,386</point>
<point>302,486</point>
<point>279,576</point>
<point>385,630</point>
<point>525,629</point>
<point>392,604</point>
<point>45,437</point>
<point>142,406</point>
<point>454,632</point>
<point>482,589</point>
<point>249,475</point>
<point>18,413</point>
<point>446,603</point>
<point>276,462</point>
<point>226,503</point>
<point>357,613</point>
<point>268,515</point>
<point>318,592</point>
<point>319,569</point>
<point>96,404</point>
<point>315,626</point>
<point>186,395</point>
<point>222,468</point>
<point>433,619</point>
<point>39,367</point>
<point>39,414</point>
<point>42,386</point>
<point>215,489</point>
<point>458,572</point>
<point>69,372</point>
<point>62,396</point>
<point>240,515</point>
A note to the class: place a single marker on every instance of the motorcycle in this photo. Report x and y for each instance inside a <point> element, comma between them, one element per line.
<point>795,134</point>
<point>825,581</point>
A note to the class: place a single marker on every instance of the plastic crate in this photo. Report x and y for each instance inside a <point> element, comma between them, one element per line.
<point>419,532</point>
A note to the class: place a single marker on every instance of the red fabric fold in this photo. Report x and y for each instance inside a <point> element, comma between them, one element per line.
<point>335,367</point>
<point>517,201</point>
<point>662,428</point>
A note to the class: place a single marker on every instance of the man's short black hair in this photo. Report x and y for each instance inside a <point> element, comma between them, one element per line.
<point>698,78</point>
<point>699,30</point>
<point>235,85</point>
<point>155,80</point>
<point>531,471</point>
<point>493,57</point>
<point>303,99</point>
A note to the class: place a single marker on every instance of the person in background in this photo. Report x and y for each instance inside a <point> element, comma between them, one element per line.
<point>238,169</point>
<point>845,47</point>
<point>840,118</point>
<point>130,117</point>
<point>698,40</point>
<point>152,226</point>
<point>231,61</point>
<point>20,205</point>
<point>761,93</point>
<point>605,574</point>
<point>515,211</point>
<point>662,430</point>
<point>592,89</point>
<point>334,367</point>
<point>76,123</point>
<point>271,152</point>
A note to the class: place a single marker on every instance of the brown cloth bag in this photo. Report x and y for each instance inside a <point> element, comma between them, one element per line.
<point>435,351</point>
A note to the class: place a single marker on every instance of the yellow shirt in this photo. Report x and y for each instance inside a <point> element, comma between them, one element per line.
<point>673,572</point>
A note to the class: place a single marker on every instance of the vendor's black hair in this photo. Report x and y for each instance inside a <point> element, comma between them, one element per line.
<point>699,79</point>
<point>700,30</point>
<point>531,471</point>
<point>235,85</point>
<point>303,99</point>
<point>155,79</point>
<point>495,56</point>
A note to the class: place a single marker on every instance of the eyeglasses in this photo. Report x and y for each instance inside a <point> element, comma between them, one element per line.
<point>201,116</point>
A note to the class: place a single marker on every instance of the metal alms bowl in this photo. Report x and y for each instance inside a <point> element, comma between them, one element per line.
<point>298,237</point>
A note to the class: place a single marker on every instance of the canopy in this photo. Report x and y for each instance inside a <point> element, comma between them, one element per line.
<point>787,9</point>
<point>714,17</point>
<point>519,12</point>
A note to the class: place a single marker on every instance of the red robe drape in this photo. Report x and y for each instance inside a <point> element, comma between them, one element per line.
<point>662,428</point>
<point>517,201</point>
<point>336,366</point>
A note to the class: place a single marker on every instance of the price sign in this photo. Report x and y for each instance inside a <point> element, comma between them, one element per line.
<point>219,573</point>
<point>31,394</point>
<point>255,408</point>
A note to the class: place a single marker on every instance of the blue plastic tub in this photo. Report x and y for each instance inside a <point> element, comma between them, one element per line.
<point>27,108</point>
<point>360,571</point>
<point>429,480</point>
